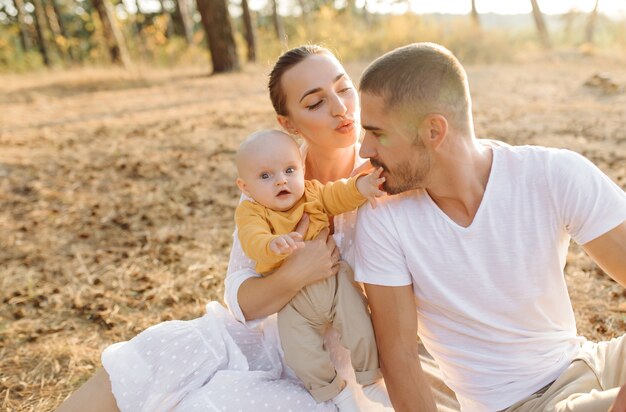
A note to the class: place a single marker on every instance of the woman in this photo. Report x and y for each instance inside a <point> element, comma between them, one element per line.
<point>215,362</point>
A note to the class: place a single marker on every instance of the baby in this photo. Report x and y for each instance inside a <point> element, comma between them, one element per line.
<point>271,172</point>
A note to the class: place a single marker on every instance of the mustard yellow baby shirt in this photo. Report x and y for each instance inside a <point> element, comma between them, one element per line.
<point>258,225</point>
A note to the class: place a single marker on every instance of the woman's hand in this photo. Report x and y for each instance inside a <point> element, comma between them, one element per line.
<point>259,297</point>
<point>317,260</point>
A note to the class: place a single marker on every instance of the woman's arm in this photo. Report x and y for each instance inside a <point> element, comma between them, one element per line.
<point>95,395</point>
<point>259,297</point>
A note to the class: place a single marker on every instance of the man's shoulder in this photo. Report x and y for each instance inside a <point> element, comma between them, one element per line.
<point>534,152</point>
<point>394,206</point>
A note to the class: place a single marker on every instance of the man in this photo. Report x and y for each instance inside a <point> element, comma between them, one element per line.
<point>470,253</point>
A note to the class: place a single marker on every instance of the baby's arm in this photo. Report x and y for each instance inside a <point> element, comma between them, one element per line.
<point>255,235</point>
<point>369,185</point>
<point>347,194</point>
<point>285,244</point>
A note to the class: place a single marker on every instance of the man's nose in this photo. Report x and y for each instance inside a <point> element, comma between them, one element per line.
<point>367,148</point>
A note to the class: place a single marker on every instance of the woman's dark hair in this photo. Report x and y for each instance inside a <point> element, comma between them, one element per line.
<point>284,63</point>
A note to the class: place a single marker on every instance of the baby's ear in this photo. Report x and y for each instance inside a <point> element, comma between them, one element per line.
<point>241,185</point>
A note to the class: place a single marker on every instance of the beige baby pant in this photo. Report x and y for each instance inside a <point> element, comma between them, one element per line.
<point>335,302</point>
<point>589,384</point>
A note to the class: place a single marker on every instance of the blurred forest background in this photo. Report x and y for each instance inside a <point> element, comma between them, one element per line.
<point>166,33</point>
<point>119,120</point>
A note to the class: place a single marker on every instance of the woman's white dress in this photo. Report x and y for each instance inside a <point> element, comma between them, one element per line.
<point>220,362</point>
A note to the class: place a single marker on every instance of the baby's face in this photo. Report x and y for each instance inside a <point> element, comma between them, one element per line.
<point>274,176</point>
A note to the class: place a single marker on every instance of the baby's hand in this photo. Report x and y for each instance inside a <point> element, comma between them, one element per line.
<point>369,185</point>
<point>286,244</point>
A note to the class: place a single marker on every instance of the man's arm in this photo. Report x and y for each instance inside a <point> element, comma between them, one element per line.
<point>620,402</point>
<point>609,252</point>
<point>395,325</point>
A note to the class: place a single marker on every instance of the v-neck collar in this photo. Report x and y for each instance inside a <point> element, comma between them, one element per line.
<point>483,201</point>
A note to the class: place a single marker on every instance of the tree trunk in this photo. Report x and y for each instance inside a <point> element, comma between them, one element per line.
<point>248,31</point>
<point>475,18</point>
<point>59,20</point>
<point>21,22</point>
<point>57,34</point>
<point>40,24</point>
<point>591,24</point>
<point>541,26</point>
<point>351,6</point>
<point>168,29</point>
<point>278,24</point>
<point>183,20</point>
<point>112,34</point>
<point>366,14</point>
<point>67,46</point>
<point>217,26</point>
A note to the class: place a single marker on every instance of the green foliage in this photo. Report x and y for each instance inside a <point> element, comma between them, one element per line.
<point>352,34</point>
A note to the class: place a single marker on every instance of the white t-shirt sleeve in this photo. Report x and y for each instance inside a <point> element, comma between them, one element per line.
<point>379,257</point>
<point>588,202</point>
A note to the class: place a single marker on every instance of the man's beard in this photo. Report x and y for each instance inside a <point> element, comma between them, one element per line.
<point>408,175</point>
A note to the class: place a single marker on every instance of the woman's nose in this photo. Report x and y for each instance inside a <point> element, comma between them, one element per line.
<point>339,107</point>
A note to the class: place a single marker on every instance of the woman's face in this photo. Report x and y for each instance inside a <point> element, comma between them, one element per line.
<point>322,103</point>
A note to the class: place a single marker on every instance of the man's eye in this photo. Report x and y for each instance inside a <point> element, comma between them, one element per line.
<point>290,170</point>
<point>265,176</point>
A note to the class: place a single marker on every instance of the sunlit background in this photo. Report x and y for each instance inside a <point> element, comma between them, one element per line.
<point>163,33</point>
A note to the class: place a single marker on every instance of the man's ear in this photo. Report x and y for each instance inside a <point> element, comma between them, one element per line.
<point>287,124</point>
<point>241,185</point>
<point>437,127</point>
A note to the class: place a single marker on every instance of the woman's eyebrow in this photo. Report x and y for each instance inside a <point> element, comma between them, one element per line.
<point>319,89</point>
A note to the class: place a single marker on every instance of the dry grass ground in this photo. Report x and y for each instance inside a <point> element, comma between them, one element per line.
<point>117,194</point>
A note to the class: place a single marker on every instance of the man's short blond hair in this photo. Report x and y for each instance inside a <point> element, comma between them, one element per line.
<point>422,78</point>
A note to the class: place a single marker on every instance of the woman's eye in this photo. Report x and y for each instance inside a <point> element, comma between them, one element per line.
<point>315,105</point>
<point>346,89</point>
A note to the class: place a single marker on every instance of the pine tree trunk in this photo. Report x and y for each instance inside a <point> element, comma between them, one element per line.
<point>248,31</point>
<point>182,17</point>
<point>21,22</point>
<point>541,26</point>
<point>591,24</point>
<point>217,26</point>
<point>112,34</point>
<point>57,35</point>
<point>351,7</point>
<point>475,17</point>
<point>278,24</point>
<point>40,24</point>
<point>68,47</point>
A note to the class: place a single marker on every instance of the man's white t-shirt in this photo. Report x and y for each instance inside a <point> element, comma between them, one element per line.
<point>492,303</point>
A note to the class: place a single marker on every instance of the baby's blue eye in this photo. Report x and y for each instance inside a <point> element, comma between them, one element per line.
<point>290,170</point>
<point>265,176</point>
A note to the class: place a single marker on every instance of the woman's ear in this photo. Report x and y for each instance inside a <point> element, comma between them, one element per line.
<point>286,124</point>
